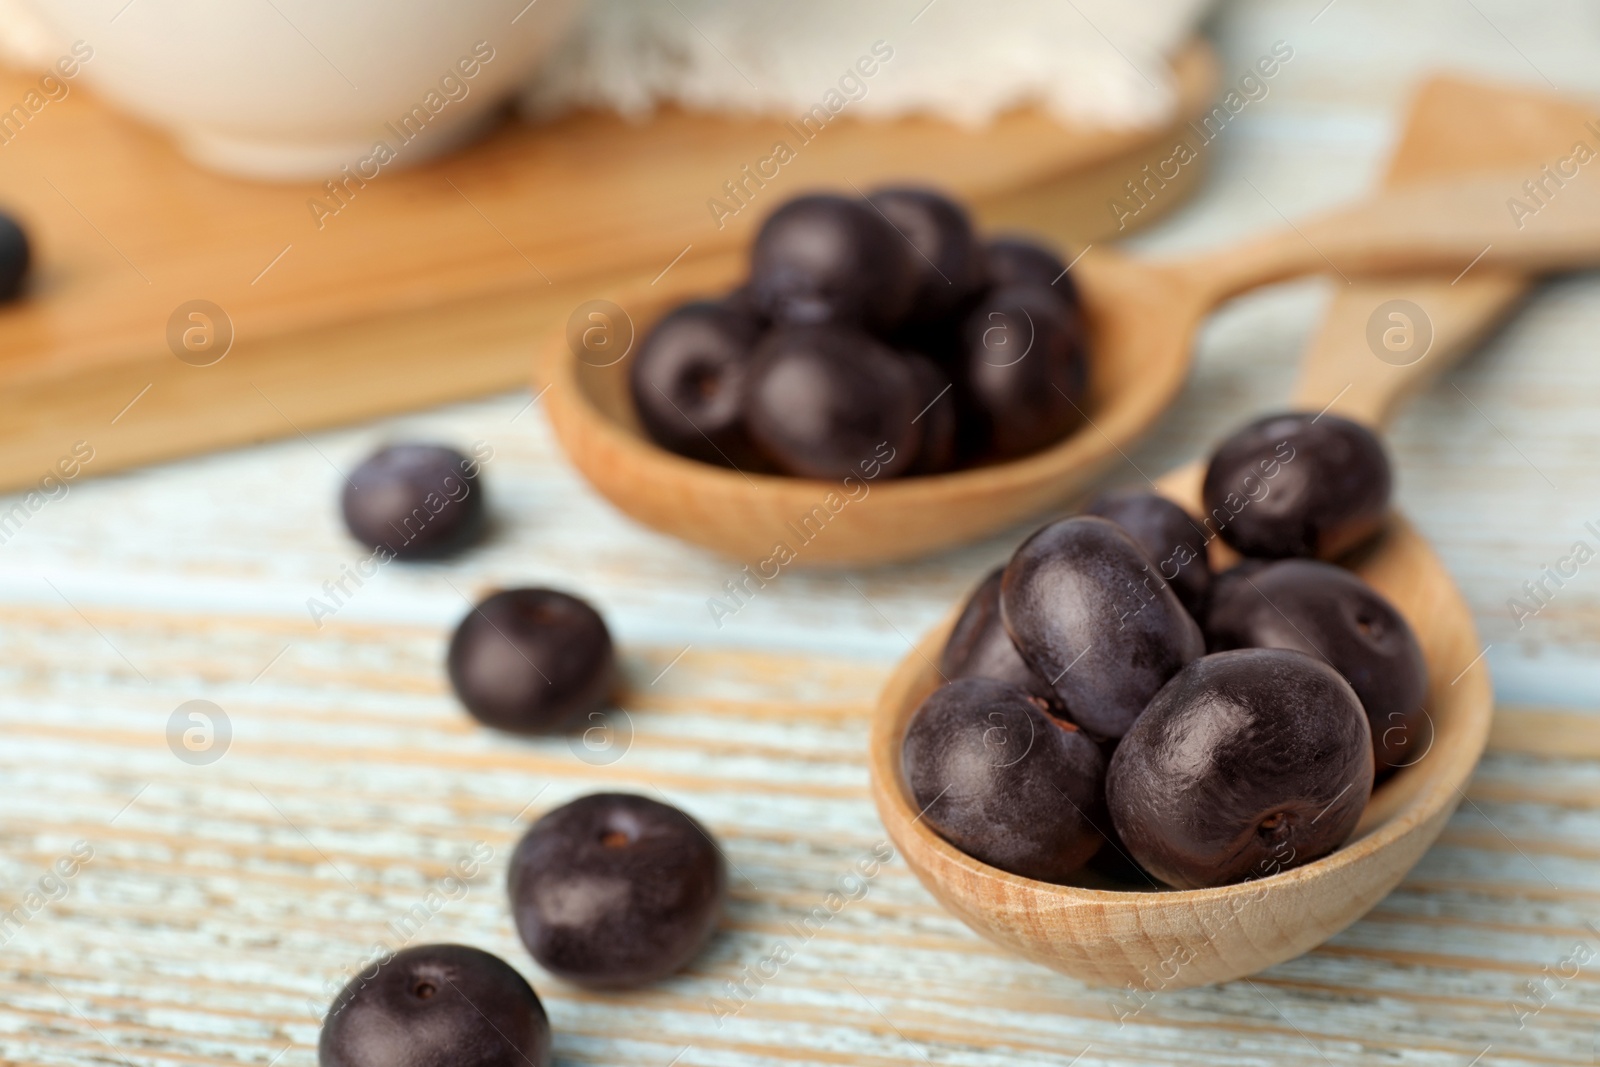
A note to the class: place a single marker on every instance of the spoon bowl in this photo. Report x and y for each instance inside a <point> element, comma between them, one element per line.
<point>1141,317</point>
<point>1140,321</point>
<point>1151,939</point>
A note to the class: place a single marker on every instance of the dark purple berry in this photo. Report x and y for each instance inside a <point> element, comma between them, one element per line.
<point>437,1006</point>
<point>1224,584</point>
<point>687,382</point>
<point>1247,763</point>
<point>415,501</point>
<point>1298,484</point>
<point>1003,781</point>
<point>1092,618</point>
<point>1114,860</point>
<point>938,417</point>
<point>946,258</point>
<point>832,259</point>
<point>742,302</point>
<point>1327,612</point>
<point>979,646</point>
<point>1022,369</point>
<point>615,890</point>
<point>532,661</point>
<point>1023,261</point>
<point>829,402</point>
<point>1172,539</point>
<point>15,256</point>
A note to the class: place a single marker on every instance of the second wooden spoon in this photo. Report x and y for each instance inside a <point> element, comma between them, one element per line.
<point>1142,316</point>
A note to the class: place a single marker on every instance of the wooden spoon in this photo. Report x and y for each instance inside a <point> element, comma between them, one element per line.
<point>1142,318</point>
<point>1168,939</point>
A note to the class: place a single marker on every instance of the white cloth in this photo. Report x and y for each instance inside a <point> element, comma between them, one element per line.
<point>1097,61</point>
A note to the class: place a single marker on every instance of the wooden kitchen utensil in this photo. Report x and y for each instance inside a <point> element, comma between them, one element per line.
<point>1455,126</point>
<point>1142,320</point>
<point>1196,937</point>
<point>1458,126</point>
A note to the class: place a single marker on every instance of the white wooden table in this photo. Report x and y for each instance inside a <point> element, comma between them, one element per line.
<point>220,901</point>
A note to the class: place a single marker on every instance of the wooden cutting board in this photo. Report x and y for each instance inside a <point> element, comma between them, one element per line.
<point>433,284</point>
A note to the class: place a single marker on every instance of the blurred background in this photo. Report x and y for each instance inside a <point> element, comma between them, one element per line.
<point>224,894</point>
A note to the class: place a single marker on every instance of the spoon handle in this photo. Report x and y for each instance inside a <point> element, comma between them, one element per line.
<point>1452,227</point>
<point>1384,339</point>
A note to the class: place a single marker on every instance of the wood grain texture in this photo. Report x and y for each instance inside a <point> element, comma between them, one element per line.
<point>216,907</point>
<point>1455,126</point>
<point>341,314</point>
<point>206,922</point>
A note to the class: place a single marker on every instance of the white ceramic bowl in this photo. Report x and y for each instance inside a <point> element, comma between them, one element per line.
<point>283,89</point>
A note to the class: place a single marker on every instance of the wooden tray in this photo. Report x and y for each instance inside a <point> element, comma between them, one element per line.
<point>432,284</point>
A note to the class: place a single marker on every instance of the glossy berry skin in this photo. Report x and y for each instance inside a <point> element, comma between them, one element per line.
<point>1174,540</point>
<point>1004,782</point>
<point>832,259</point>
<point>437,1006</point>
<point>1023,261</point>
<point>1023,370</point>
<point>938,416</point>
<point>1298,484</point>
<point>1247,763</point>
<point>979,646</point>
<point>1329,613</point>
<point>1089,615</point>
<point>615,890</point>
<point>946,258</point>
<point>15,256</point>
<point>415,501</point>
<point>829,402</point>
<point>532,661</point>
<point>687,381</point>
